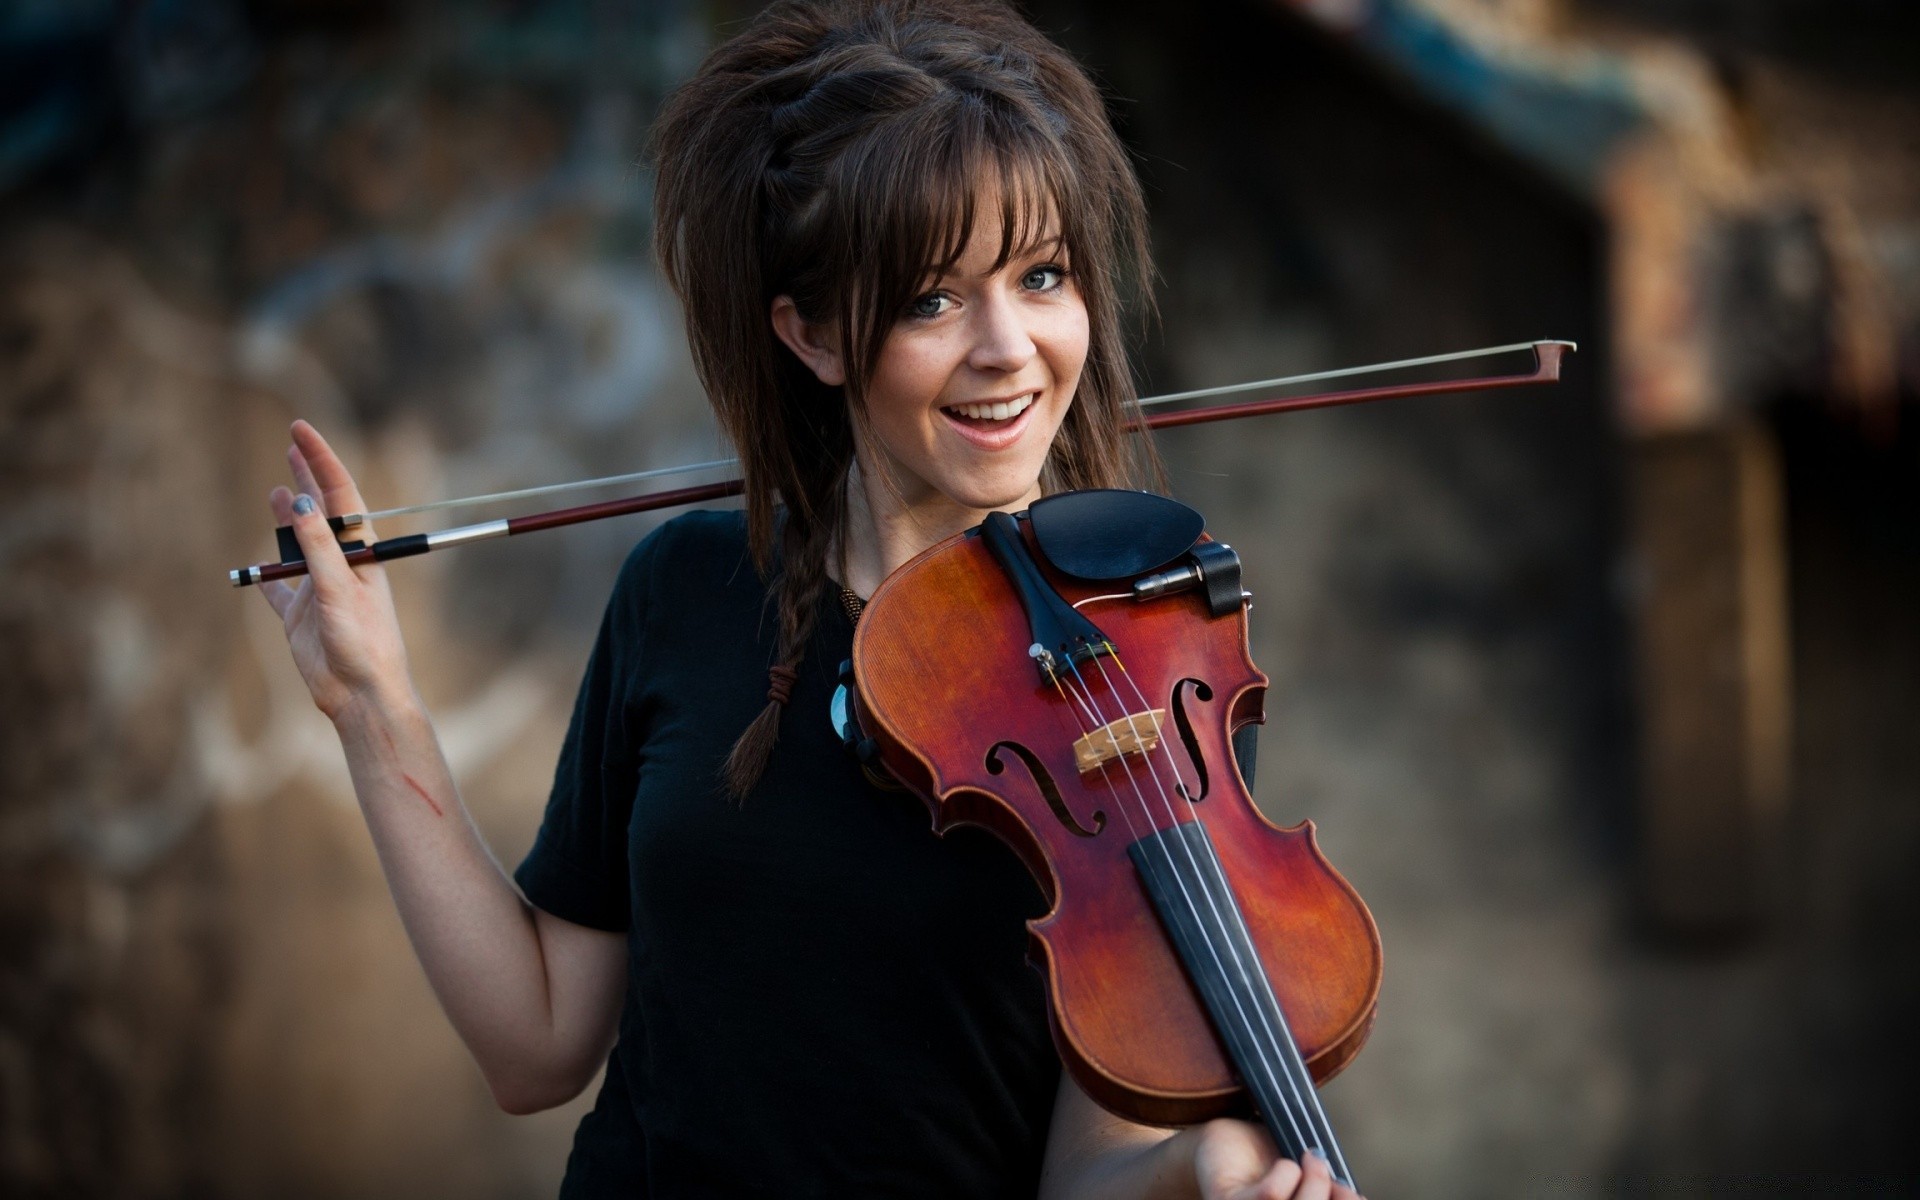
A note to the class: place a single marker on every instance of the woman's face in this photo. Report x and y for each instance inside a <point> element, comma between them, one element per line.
<point>975,377</point>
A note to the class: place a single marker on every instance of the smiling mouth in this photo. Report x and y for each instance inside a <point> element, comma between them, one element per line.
<point>992,415</point>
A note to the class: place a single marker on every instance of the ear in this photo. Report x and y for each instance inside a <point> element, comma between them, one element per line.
<point>814,345</point>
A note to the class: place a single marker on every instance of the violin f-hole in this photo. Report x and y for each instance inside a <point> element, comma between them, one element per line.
<point>1044,780</point>
<point>1184,723</point>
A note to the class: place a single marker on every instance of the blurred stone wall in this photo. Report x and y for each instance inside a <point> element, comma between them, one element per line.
<point>1447,590</point>
<point>1430,577</point>
<point>425,231</point>
<point>115,900</point>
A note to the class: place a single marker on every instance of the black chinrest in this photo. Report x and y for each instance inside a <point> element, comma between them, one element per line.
<point>1110,533</point>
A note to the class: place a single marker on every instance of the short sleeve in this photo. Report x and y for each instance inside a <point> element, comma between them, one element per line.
<point>577,869</point>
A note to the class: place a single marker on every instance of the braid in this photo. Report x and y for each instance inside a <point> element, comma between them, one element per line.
<point>805,547</point>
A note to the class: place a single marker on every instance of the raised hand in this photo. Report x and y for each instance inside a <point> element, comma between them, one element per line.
<point>340,620</point>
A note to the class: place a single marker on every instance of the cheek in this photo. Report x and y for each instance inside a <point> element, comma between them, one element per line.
<point>1069,334</point>
<point>1068,343</point>
<point>907,382</point>
<point>924,366</point>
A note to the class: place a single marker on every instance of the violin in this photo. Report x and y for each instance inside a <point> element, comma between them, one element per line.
<point>1070,678</point>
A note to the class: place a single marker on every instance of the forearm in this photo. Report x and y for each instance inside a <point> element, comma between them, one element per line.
<point>1093,1155</point>
<point>476,937</point>
<point>534,997</point>
<point>1154,1167</point>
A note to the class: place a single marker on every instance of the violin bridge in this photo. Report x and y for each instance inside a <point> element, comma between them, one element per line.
<point>1136,733</point>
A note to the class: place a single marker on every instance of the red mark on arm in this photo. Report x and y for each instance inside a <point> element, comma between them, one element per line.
<point>424,794</point>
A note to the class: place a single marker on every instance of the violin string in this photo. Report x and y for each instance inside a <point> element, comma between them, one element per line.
<point>1089,719</point>
<point>1180,781</point>
<point>1274,1047</point>
<point>1261,1052</point>
<point>1298,1079</point>
<point>1297,1069</point>
<point>1088,726</point>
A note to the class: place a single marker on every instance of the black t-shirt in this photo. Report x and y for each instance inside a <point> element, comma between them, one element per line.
<point>823,998</point>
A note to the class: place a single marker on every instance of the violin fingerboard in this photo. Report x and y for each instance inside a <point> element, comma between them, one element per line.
<point>1183,877</point>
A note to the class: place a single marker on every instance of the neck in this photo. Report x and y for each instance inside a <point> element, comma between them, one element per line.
<point>886,526</point>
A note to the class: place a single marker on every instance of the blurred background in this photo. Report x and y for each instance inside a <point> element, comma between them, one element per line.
<point>1603,695</point>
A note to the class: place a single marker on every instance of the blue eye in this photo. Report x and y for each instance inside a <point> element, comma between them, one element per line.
<point>930,305</point>
<point>1043,279</point>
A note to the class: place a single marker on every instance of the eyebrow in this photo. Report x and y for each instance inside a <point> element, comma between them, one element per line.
<point>1053,244</point>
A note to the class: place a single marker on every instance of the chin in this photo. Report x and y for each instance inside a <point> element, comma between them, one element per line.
<point>986,495</point>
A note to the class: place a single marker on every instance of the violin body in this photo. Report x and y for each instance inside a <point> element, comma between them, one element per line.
<point>947,691</point>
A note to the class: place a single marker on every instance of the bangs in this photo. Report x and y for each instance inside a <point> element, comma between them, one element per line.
<point>914,215</point>
<point>1028,189</point>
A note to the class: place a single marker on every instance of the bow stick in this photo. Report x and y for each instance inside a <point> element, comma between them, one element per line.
<point>1547,354</point>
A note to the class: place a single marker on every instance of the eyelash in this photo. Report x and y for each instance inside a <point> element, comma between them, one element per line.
<point>1059,273</point>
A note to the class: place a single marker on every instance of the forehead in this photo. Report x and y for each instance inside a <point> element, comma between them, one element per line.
<point>1000,219</point>
<point>990,248</point>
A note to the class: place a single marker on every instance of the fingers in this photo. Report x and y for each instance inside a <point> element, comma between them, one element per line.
<point>1279,1183</point>
<point>326,563</point>
<point>1316,1179</point>
<point>321,474</point>
<point>303,480</point>
<point>1309,1179</point>
<point>279,595</point>
<point>276,592</point>
<point>1236,1160</point>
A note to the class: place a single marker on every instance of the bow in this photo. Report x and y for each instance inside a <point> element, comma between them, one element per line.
<point>1547,355</point>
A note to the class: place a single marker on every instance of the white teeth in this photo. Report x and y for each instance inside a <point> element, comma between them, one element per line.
<point>994,412</point>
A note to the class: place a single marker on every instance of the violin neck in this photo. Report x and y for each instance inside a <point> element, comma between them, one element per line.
<point>1188,886</point>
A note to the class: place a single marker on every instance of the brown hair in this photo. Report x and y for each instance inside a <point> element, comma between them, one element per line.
<point>834,152</point>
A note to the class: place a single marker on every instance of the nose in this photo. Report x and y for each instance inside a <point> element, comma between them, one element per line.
<point>1001,341</point>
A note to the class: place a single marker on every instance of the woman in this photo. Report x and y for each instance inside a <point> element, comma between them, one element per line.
<point>899,231</point>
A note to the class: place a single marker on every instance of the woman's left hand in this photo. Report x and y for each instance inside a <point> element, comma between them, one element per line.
<point>1093,1154</point>
<point>1235,1160</point>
